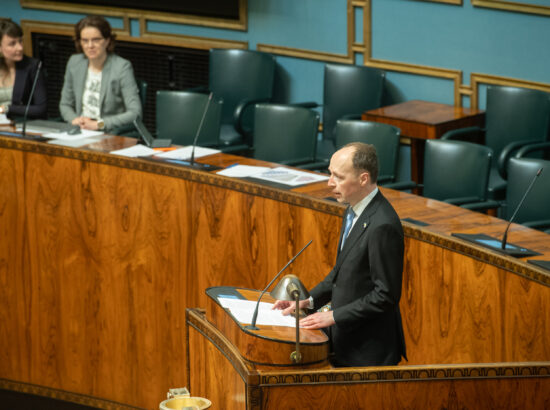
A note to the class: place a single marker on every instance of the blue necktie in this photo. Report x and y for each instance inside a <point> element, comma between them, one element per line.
<point>347,227</point>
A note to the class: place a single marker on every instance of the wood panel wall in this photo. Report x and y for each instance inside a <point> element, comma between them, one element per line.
<point>99,262</point>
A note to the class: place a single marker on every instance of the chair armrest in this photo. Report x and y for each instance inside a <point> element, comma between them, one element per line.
<point>462,200</point>
<point>532,147</point>
<point>482,205</point>
<point>541,224</point>
<point>463,133</point>
<point>506,153</point>
<point>402,185</point>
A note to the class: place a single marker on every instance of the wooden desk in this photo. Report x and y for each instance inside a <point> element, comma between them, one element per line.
<point>100,255</point>
<point>422,120</point>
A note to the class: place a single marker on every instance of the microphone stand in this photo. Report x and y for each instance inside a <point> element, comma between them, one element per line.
<point>505,236</point>
<point>252,325</point>
<point>192,162</point>
<point>31,95</point>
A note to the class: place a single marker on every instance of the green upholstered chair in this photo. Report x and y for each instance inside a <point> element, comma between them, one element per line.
<point>384,137</point>
<point>348,91</point>
<point>514,117</point>
<point>241,78</point>
<point>535,210</point>
<point>456,172</point>
<point>178,116</point>
<point>285,134</point>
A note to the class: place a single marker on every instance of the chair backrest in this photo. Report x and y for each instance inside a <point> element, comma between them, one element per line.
<point>179,113</point>
<point>237,75</point>
<point>349,90</point>
<point>384,137</point>
<point>456,169</point>
<point>142,90</point>
<point>515,114</point>
<point>521,172</point>
<point>285,133</point>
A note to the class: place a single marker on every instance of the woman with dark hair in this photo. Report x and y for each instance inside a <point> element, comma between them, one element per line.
<point>99,91</point>
<point>17,74</point>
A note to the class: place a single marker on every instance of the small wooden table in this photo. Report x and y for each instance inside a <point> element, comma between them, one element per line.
<point>422,120</point>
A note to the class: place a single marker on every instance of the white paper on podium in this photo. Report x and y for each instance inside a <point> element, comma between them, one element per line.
<point>243,310</point>
<point>4,120</point>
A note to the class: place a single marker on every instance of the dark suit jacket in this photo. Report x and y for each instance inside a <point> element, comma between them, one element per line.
<point>365,288</point>
<point>25,71</point>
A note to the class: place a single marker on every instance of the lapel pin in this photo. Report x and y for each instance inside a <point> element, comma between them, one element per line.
<point>364,225</point>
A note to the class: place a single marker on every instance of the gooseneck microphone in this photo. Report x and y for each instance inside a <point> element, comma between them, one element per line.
<point>252,325</point>
<point>192,160</point>
<point>23,131</point>
<point>505,236</point>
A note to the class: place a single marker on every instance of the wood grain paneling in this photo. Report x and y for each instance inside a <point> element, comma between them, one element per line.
<point>99,262</point>
<point>100,256</point>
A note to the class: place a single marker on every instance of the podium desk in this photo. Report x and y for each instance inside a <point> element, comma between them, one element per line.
<point>101,255</point>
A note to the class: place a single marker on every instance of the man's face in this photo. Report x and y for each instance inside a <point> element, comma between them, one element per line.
<point>348,185</point>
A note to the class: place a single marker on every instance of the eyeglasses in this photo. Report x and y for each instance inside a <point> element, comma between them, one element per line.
<point>95,41</point>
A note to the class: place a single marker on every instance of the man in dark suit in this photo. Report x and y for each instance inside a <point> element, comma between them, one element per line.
<point>364,287</point>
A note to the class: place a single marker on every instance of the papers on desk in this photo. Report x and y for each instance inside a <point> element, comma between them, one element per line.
<point>241,171</point>
<point>243,310</point>
<point>76,143</point>
<point>137,150</point>
<point>4,120</point>
<point>185,153</point>
<point>280,175</point>
<point>68,137</point>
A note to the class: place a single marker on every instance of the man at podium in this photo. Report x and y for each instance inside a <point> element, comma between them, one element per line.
<point>364,287</point>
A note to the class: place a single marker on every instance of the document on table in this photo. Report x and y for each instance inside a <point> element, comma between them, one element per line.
<point>76,143</point>
<point>185,153</point>
<point>241,171</point>
<point>289,176</point>
<point>243,310</point>
<point>137,150</point>
<point>68,137</point>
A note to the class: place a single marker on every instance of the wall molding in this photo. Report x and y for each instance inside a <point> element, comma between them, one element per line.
<point>176,40</point>
<point>127,13</point>
<point>365,48</point>
<point>513,6</point>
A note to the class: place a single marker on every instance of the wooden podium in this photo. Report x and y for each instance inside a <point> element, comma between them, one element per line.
<point>240,369</point>
<point>270,346</point>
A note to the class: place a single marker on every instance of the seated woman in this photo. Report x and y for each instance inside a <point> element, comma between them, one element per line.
<point>99,91</point>
<point>17,74</point>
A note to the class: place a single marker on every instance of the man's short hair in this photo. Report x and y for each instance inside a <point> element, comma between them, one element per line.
<point>364,158</point>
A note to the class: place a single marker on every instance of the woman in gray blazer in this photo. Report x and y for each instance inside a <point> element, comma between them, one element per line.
<point>99,91</point>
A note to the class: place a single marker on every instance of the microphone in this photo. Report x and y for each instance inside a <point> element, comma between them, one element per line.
<point>500,245</point>
<point>252,325</point>
<point>192,161</point>
<point>23,133</point>
<point>505,236</point>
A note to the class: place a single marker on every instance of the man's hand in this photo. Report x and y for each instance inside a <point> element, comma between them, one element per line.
<point>288,307</point>
<point>318,320</point>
